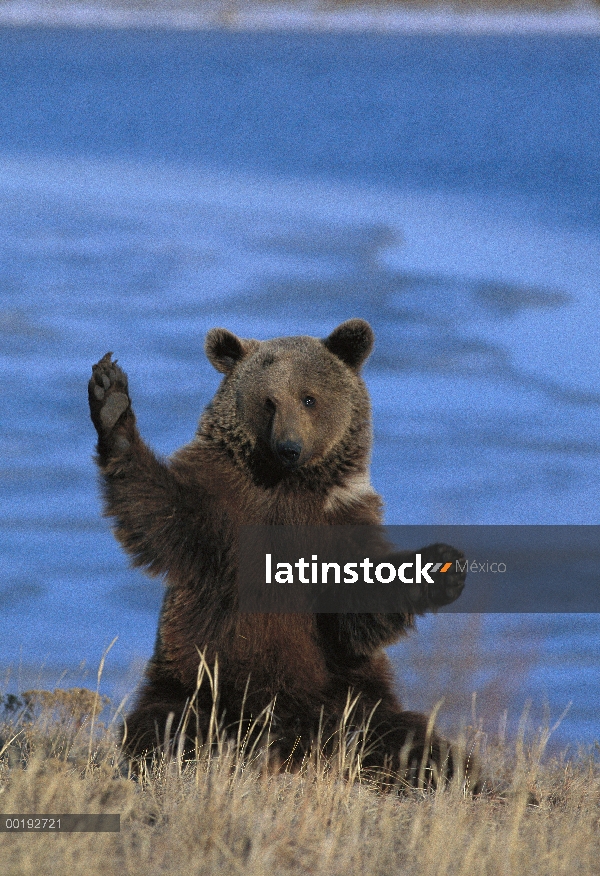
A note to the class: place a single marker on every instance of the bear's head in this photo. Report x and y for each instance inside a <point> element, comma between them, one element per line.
<point>292,404</point>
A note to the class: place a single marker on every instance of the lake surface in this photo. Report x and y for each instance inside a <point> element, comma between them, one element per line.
<point>447,189</point>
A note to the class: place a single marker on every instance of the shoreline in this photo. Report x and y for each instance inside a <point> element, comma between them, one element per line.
<point>576,20</point>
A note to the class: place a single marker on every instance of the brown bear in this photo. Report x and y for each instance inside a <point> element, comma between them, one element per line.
<point>286,440</point>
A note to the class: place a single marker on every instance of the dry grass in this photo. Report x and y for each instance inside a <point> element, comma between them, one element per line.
<point>225,813</point>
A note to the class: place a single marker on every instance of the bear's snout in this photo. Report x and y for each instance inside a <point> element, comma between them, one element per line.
<point>288,452</point>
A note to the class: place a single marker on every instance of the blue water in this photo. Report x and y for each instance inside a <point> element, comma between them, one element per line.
<point>153,185</point>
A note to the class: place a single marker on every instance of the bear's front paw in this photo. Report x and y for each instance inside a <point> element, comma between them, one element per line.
<point>450,574</point>
<point>108,397</point>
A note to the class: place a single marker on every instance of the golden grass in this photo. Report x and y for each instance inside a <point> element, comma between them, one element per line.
<point>225,813</point>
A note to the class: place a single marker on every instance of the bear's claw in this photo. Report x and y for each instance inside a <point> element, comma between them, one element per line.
<point>108,396</point>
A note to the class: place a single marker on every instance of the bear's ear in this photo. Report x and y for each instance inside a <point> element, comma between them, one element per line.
<point>224,349</point>
<point>352,341</point>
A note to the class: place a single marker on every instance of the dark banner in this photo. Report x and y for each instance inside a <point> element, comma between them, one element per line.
<point>414,569</point>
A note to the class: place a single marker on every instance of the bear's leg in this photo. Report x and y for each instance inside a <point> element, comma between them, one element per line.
<point>161,710</point>
<point>403,750</point>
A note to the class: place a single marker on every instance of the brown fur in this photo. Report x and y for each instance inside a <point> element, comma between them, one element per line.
<point>264,453</point>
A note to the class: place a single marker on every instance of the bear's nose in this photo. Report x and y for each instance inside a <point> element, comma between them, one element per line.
<point>289,452</point>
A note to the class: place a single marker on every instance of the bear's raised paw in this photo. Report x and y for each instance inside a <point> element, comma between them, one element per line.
<point>108,395</point>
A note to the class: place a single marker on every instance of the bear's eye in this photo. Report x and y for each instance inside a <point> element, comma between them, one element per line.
<point>309,401</point>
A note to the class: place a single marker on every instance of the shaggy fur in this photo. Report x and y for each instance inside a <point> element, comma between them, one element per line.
<point>285,440</point>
